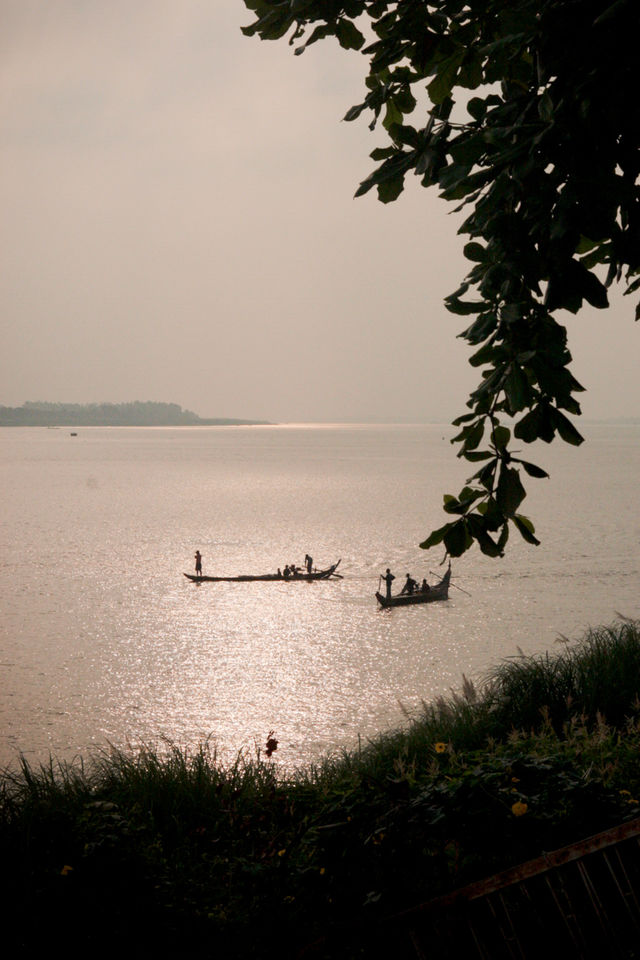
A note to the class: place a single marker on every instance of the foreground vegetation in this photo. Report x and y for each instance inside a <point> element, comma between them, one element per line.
<point>175,851</point>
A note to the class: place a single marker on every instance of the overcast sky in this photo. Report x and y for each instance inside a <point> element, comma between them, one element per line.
<point>178,224</point>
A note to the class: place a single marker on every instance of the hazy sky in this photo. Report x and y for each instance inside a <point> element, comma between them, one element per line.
<point>178,224</point>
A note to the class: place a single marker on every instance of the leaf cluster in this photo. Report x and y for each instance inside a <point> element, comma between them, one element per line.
<point>544,153</point>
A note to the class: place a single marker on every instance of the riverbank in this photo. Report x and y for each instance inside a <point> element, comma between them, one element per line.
<point>176,851</point>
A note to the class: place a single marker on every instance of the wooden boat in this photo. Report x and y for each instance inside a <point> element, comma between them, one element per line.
<point>438,592</point>
<point>327,574</point>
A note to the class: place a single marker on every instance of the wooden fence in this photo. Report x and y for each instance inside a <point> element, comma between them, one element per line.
<point>581,903</point>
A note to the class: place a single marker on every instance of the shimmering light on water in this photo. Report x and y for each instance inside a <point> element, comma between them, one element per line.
<point>103,639</point>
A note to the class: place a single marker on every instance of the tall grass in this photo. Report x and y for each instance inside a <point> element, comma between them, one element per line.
<point>598,676</point>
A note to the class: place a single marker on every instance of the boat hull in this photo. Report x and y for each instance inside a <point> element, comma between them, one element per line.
<point>268,577</point>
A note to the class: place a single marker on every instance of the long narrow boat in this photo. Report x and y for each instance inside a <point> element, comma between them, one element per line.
<point>316,575</point>
<point>439,592</point>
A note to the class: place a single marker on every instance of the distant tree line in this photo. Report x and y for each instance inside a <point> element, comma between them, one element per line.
<point>135,414</point>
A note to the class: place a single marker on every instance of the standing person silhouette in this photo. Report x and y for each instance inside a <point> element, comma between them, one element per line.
<point>198,564</point>
<point>388,579</point>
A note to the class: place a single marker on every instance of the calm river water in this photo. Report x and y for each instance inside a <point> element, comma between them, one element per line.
<point>102,639</point>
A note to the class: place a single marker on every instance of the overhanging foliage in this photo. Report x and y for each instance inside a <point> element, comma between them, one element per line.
<point>544,155</point>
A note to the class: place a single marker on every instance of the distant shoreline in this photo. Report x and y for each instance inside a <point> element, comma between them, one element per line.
<point>136,414</point>
<point>156,414</point>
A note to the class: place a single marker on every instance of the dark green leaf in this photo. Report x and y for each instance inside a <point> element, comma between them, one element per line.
<point>472,435</point>
<point>475,252</point>
<point>485,476</point>
<point>532,469</point>
<point>545,107</point>
<point>516,387</point>
<point>511,312</point>
<point>348,35</point>
<point>500,436</point>
<point>565,428</point>
<point>504,536</point>
<point>526,529</point>
<point>440,88</point>
<point>477,108</point>
<point>510,492</point>
<point>528,429</point>
<point>487,353</point>
<point>487,545</point>
<point>457,539</point>
<point>454,174</point>
<point>464,307</point>
<point>465,418</point>
<point>467,150</point>
<point>392,116</point>
<point>483,326</point>
<point>406,135</point>
<point>460,182</point>
<point>475,456</point>
<point>354,112</point>
<point>594,291</point>
<point>490,386</point>
<point>437,536</point>
<point>382,153</point>
<point>471,75</point>
<point>391,189</point>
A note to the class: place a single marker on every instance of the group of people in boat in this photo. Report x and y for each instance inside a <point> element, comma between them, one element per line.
<point>291,570</point>
<point>409,587</point>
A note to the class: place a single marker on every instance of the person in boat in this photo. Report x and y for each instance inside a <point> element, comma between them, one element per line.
<point>279,572</point>
<point>409,587</point>
<point>425,586</point>
<point>388,579</point>
<point>198,563</point>
<point>286,573</point>
<point>308,562</point>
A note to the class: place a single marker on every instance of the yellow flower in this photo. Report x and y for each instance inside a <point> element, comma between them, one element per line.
<point>322,871</point>
<point>282,852</point>
<point>519,808</point>
<point>66,870</point>
<point>440,747</point>
<point>626,795</point>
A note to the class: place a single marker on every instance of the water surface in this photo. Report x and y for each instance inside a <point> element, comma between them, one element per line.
<point>102,640</point>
